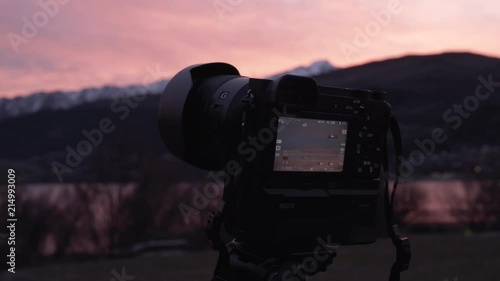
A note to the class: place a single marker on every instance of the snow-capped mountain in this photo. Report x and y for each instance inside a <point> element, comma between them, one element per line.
<point>65,100</point>
<point>316,68</point>
<point>19,106</point>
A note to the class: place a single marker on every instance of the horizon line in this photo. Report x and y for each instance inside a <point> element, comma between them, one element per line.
<point>367,62</point>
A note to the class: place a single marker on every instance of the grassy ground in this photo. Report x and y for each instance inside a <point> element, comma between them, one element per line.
<point>435,258</point>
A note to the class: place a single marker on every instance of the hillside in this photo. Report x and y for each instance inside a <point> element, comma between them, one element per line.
<point>421,89</point>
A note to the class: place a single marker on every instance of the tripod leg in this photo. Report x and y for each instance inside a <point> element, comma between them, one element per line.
<point>223,268</point>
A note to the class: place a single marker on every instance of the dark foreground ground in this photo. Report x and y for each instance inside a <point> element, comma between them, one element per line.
<point>451,257</point>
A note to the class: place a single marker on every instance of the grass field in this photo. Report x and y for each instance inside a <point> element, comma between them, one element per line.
<point>435,258</point>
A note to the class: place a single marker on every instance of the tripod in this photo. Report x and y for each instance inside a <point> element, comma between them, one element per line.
<point>240,261</point>
<point>244,262</point>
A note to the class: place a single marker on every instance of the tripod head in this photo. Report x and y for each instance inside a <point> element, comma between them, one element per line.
<point>243,262</point>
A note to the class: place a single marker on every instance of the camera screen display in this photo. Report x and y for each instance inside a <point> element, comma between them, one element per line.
<point>310,145</point>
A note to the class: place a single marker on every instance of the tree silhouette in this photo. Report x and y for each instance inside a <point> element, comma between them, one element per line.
<point>481,205</point>
<point>408,202</point>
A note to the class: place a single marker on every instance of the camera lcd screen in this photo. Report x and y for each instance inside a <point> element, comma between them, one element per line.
<point>310,145</point>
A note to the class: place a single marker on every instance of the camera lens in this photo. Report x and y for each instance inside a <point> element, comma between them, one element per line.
<point>200,109</point>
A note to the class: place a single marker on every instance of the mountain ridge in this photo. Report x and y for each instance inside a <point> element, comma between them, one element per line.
<point>420,89</point>
<point>67,99</point>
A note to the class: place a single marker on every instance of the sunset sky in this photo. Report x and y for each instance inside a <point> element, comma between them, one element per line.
<point>80,44</point>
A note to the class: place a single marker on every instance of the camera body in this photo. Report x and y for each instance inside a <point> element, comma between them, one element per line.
<point>301,161</point>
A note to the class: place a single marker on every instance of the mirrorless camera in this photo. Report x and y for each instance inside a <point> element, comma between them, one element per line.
<point>301,161</point>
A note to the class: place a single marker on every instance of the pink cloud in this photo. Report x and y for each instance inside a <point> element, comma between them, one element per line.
<point>92,43</point>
